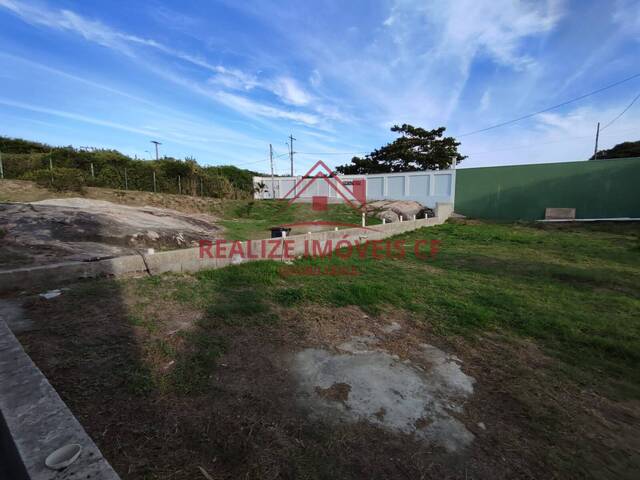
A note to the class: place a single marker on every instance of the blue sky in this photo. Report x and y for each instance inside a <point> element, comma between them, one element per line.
<point>220,80</point>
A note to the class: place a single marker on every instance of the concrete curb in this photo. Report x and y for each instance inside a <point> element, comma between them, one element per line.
<point>188,259</point>
<point>34,422</point>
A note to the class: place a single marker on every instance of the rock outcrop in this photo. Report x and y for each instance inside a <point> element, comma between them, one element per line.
<point>83,229</point>
<point>391,210</point>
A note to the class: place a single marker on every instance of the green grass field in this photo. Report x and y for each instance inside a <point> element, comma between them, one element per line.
<point>248,219</point>
<point>574,290</point>
<point>546,318</point>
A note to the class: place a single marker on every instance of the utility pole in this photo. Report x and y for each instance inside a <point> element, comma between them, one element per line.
<point>291,152</point>
<point>156,144</point>
<point>273,192</point>
<point>595,150</point>
<point>2,168</point>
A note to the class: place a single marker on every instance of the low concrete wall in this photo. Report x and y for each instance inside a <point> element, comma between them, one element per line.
<point>188,259</point>
<point>35,422</point>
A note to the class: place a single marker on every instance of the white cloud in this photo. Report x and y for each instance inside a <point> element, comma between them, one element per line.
<point>315,79</point>
<point>416,65</point>
<point>485,100</point>
<point>251,107</point>
<point>465,28</point>
<point>289,91</point>
<point>234,79</point>
<point>627,15</point>
<point>285,88</point>
<point>75,116</point>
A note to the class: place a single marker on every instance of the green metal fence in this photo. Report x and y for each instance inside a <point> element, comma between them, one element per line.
<point>595,188</point>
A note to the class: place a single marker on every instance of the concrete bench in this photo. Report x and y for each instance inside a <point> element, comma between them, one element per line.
<point>560,214</point>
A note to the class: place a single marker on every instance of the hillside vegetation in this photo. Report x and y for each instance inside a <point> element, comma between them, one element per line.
<point>69,168</point>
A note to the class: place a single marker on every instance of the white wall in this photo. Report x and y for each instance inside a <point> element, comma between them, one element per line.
<point>426,187</point>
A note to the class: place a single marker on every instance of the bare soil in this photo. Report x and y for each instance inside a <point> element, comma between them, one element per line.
<point>528,419</point>
<point>25,191</point>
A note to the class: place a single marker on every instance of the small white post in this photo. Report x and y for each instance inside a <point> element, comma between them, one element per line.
<point>414,218</point>
<point>384,221</point>
<point>364,222</point>
<point>400,218</point>
<point>284,237</point>
<point>335,229</point>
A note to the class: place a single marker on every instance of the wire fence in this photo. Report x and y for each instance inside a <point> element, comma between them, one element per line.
<point>113,170</point>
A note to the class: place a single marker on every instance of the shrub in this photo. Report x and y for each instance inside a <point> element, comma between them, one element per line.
<point>59,179</point>
<point>108,177</point>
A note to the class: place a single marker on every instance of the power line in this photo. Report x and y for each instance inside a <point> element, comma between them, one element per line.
<point>524,117</point>
<point>248,163</point>
<point>622,112</point>
<point>538,144</point>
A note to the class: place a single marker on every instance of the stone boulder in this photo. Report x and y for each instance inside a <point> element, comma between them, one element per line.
<point>391,210</point>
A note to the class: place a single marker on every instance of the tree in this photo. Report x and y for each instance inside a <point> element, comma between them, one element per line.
<point>416,149</point>
<point>622,150</point>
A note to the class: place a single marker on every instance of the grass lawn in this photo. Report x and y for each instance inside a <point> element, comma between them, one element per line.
<point>248,219</point>
<point>545,317</point>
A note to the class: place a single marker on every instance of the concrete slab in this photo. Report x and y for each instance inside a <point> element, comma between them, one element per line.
<point>35,422</point>
<point>364,382</point>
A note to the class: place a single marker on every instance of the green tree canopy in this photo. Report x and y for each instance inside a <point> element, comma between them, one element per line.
<point>622,150</point>
<point>416,149</point>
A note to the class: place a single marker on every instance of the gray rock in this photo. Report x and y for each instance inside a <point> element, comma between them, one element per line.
<point>81,229</point>
<point>391,210</point>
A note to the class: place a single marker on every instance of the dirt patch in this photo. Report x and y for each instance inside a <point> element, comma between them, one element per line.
<point>25,191</point>
<point>338,392</point>
<point>527,420</point>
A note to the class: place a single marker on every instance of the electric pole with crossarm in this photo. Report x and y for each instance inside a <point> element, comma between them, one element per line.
<point>156,144</point>
<point>291,152</point>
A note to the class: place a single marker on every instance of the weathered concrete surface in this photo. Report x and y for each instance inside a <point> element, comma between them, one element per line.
<point>364,382</point>
<point>190,260</point>
<point>82,229</point>
<point>37,422</point>
<point>13,314</point>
